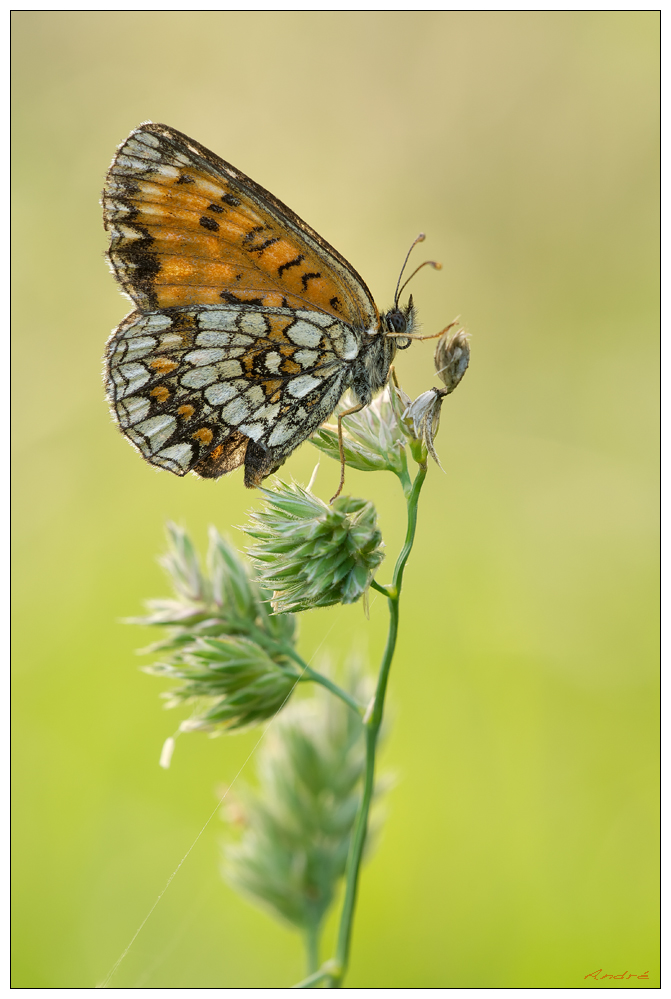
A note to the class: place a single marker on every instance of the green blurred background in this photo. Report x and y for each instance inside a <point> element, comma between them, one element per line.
<point>520,844</point>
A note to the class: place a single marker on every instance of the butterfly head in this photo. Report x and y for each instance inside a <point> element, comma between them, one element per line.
<point>399,321</point>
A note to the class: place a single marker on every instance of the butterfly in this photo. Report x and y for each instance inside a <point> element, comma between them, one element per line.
<point>248,328</point>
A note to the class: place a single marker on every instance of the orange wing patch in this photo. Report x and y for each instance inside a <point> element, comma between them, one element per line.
<point>185,234</point>
<point>203,436</point>
<point>163,365</point>
<point>161,393</point>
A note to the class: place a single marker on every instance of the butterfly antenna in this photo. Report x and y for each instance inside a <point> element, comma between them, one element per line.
<point>427,263</point>
<point>419,239</point>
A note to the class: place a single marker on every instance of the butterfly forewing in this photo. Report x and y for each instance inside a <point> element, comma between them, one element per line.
<point>196,388</point>
<point>187,228</point>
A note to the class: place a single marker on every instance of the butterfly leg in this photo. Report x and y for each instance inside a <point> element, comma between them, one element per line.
<point>341,446</point>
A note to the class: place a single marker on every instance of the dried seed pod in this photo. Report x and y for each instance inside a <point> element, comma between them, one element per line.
<point>451,359</point>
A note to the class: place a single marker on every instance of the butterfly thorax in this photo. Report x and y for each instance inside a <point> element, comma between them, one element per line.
<point>371,372</point>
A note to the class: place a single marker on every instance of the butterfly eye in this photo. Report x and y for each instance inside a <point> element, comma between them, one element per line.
<point>403,342</point>
<point>396,322</point>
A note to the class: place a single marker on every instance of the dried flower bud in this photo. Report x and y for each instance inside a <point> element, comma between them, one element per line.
<point>451,359</point>
<point>422,416</point>
<point>424,413</point>
<point>311,554</point>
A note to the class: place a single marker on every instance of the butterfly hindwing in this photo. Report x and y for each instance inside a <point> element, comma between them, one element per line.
<point>187,228</point>
<point>208,388</point>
